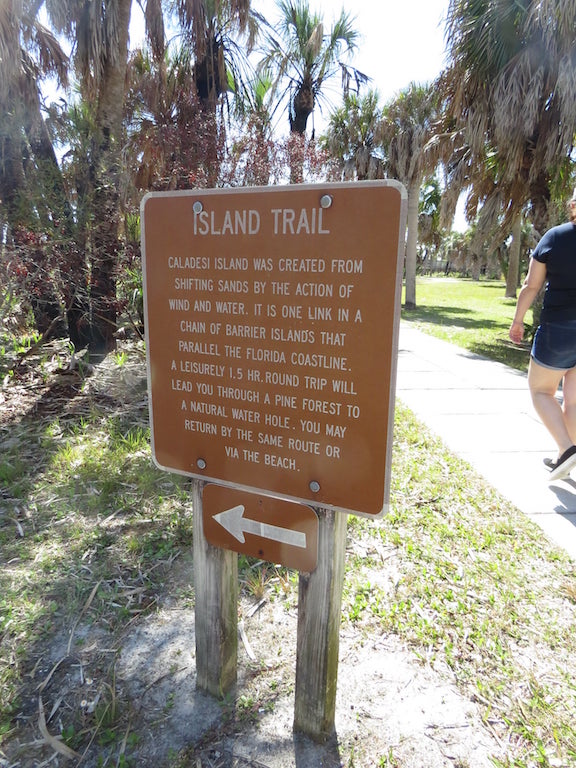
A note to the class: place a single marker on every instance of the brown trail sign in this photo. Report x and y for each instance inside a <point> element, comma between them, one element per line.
<point>271,319</point>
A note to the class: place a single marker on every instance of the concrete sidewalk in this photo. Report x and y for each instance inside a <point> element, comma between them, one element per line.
<point>482,411</point>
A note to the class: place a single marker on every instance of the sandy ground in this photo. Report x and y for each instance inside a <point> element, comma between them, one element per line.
<point>392,708</point>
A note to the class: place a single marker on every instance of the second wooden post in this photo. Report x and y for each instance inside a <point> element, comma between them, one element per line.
<point>318,641</point>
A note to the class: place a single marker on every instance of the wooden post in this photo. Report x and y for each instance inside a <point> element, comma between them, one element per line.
<point>319,605</point>
<point>216,609</point>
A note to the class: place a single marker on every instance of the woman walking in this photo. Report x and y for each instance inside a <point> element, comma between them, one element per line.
<point>553,355</point>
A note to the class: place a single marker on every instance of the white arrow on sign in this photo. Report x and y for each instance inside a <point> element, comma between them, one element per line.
<point>234,522</point>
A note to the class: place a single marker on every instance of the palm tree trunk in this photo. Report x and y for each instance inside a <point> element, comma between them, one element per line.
<point>411,243</point>
<point>540,197</point>
<point>301,109</point>
<point>106,167</point>
<point>540,200</point>
<point>514,258</point>
<point>296,152</point>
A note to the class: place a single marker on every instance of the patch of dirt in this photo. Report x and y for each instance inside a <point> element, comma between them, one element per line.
<point>392,708</point>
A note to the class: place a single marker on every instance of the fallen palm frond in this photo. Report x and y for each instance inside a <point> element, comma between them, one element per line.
<point>53,741</point>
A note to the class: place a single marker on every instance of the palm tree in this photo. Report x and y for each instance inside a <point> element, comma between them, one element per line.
<point>102,58</point>
<point>514,259</point>
<point>303,57</point>
<point>99,32</point>
<point>174,142</point>
<point>408,126</point>
<point>212,28</point>
<point>253,150</point>
<point>510,91</point>
<point>351,136</point>
<point>429,232</point>
<point>32,195</point>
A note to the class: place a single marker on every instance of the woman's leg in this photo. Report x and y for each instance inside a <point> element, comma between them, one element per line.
<point>543,383</point>
<point>569,402</point>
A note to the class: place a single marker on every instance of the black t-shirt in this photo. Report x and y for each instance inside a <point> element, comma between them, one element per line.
<point>557,249</point>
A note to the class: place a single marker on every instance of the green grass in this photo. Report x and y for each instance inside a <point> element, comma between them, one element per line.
<point>472,314</point>
<point>88,528</point>
<point>470,583</point>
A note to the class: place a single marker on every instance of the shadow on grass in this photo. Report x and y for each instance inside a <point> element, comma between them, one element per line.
<point>449,316</point>
<point>501,351</point>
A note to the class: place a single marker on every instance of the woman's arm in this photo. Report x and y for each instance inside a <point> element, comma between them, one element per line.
<point>532,284</point>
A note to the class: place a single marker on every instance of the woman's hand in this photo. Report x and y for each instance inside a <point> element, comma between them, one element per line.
<point>516,332</point>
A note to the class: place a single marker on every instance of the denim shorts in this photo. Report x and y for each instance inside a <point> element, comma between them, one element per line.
<point>555,345</point>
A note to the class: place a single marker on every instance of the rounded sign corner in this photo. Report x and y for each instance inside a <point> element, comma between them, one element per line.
<point>159,465</point>
<point>144,200</point>
<point>395,184</point>
<point>384,512</point>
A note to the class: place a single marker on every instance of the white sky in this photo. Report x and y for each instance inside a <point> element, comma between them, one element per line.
<point>401,40</point>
